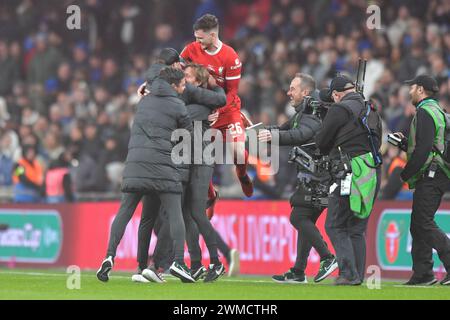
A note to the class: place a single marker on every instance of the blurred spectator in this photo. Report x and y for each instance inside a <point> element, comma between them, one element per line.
<point>9,70</point>
<point>44,62</point>
<point>9,149</point>
<point>58,182</point>
<point>164,38</point>
<point>53,146</point>
<point>111,78</point>
<point>412,63</point>
<point>129,25</point>
<point>313,65</point>
<point>28,176</point>
<point>395,188</point>
<point>111,159</point>
<point>251,27</point>
<point>87,175</point>
<point>91,141</point>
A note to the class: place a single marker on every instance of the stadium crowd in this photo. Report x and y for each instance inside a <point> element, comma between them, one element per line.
<point>67,97</point>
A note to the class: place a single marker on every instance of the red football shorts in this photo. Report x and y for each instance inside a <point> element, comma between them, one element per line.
<point>231,126</point>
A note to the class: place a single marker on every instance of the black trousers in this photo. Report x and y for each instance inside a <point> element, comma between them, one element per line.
<point>195,195</point>
<point>163,255</point>
<point>426,235</point>
<point>304,220</point>
<point>348,236</point>
<point>195,213</point>
<point>151,205</point>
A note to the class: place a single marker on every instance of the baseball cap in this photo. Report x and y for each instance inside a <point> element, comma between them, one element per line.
<point>339,83</point>
<point>427,82</point>
<point>169,56</point>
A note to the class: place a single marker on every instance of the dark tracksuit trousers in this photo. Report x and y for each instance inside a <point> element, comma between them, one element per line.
<point>195,214</point>
<point>163,254</point>
<point>348,234</point>
<point>304,220</point>
<point>195,195</point>
<point>426,235</point>
<point>151,205</point>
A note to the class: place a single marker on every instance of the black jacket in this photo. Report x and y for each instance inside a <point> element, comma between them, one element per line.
<point>149,165</point>
<point>290,134</point>
<point>200,103</point>
<point>339,118</point>
<point>298,130</point>
<point>425,131</point>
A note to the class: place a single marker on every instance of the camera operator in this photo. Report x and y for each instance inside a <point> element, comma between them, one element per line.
<point>301,129</point>
<point>346,142</point>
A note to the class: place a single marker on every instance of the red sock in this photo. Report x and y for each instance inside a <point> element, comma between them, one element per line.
<point>211,191</point>
<point>241,169</point>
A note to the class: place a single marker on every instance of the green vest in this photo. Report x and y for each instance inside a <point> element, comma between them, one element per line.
<point>364,184</point>
<point>434,110</point>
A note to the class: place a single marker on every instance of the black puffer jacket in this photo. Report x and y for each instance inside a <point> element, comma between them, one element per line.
<point>299,129</point>
<point>149,165</point>
<point>199,103</point>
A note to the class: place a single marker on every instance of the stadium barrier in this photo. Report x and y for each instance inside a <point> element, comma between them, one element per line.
<point>48,236</point>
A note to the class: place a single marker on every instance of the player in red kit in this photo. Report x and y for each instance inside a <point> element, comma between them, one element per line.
<point>224,65</point>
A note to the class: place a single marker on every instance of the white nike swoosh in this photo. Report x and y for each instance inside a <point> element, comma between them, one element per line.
<point>219,272</point>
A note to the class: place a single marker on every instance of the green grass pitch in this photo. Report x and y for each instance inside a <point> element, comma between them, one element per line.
<point>52,284</point>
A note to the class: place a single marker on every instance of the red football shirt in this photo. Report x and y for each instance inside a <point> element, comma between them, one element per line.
<point>224,65</point>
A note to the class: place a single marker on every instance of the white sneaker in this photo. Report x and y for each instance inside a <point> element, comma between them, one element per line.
<point>234,267</point>
<point>152,275</point>
<point>105,269</point>
<point>139,278</point>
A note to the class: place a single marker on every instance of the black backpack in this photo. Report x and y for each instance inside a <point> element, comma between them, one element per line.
<point>371,121</point>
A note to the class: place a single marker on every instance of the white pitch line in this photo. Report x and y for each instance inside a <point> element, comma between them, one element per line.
<point>167,277</point>
<point>172,278</point>
<point>420,287</point>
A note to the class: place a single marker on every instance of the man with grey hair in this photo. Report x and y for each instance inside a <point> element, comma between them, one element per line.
<point>299,130</point>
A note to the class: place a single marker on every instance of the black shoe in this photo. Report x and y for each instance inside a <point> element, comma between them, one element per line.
<point>446,280</point>
<point>290,277</point>
<point>181,271</point>
<point>327,266</point>
<point>214,272</point>
<point>421,281</point>
<point>198,274</point>
<point>342,281</point>
<point>105,268</point>
<point>151,274</point>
